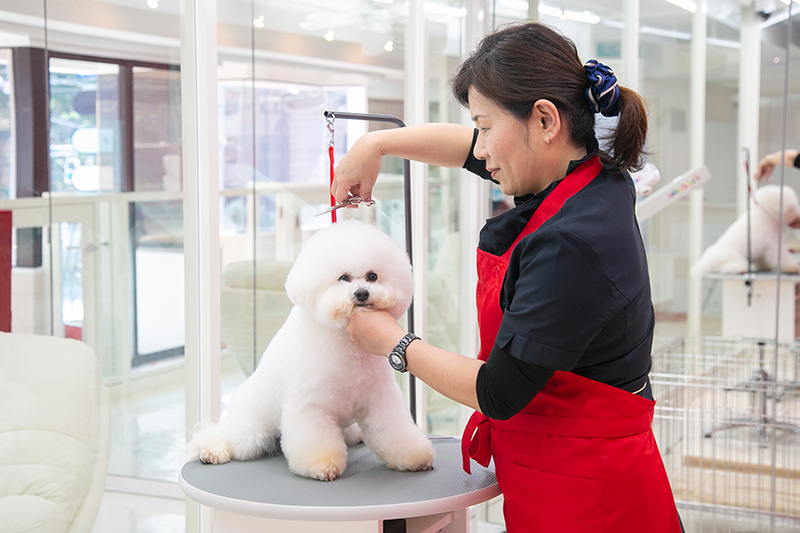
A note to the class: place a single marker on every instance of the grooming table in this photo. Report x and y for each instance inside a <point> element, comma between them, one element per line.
<point>262,495</point>
<point>758,319</point>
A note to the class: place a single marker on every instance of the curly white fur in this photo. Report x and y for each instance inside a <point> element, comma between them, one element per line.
<point>314,393</point>
<point>729,253</point>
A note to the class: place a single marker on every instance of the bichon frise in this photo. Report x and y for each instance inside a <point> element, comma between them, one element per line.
<point>729,253</point>
<point>314,393</point>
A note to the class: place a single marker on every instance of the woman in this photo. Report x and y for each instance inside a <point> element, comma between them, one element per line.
<point>560,387</point>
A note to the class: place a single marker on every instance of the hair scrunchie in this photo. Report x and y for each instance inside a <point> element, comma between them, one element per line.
<point>603,93</point>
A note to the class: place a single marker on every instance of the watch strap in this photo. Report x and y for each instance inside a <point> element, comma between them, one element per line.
<point>397,357</point>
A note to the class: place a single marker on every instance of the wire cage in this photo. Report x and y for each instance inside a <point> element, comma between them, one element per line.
<point>727,422</point>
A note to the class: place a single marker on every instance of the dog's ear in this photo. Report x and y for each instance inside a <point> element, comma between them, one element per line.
<point>296,290</point>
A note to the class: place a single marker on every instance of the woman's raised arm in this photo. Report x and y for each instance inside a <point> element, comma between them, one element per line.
<point>445,145</point>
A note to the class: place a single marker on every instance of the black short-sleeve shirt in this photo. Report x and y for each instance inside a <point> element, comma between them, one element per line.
<point>576,296</point>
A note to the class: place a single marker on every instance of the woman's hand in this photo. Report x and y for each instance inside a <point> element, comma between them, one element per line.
<point>375,332</point>
<point>358,170</point>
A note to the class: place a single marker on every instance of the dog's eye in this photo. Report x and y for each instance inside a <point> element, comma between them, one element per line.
<point>372,276</point>
<point>345,278</point>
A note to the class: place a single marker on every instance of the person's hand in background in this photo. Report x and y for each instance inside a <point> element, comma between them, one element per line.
<point>770,161</point>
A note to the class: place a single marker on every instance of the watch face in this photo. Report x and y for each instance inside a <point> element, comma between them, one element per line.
<point>396,361</point>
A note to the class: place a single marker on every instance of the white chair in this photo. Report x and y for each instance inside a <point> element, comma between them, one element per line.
<point>54,435</point>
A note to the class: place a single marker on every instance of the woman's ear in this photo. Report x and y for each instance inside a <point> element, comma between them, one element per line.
<point>545,120</point>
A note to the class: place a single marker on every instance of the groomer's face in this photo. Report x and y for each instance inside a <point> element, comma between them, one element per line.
<point>503,142</point>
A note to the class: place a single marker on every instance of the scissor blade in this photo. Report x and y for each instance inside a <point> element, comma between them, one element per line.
<point>330,209</point>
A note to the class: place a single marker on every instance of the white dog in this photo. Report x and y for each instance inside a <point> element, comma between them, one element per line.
<point>314,393</point>
<point>729,253</point>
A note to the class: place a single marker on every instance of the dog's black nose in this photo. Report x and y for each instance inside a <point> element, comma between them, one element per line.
<point>362,295</point>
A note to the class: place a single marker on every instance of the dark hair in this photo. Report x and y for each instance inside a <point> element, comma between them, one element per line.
<point>521,63</point>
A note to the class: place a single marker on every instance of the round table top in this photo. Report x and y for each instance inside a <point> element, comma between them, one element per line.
<point>366,491</point>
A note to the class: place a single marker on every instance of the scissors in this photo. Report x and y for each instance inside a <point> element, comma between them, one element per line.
<point>350,200</point>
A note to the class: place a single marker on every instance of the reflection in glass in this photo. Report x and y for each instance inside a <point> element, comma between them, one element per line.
<point>71,279</point>
<point>156,129</point>
<point>6,129</point>
<point>84,126</point>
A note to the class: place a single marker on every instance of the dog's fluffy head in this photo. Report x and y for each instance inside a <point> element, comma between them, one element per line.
<point>350,264</point>
<point>769,197</point>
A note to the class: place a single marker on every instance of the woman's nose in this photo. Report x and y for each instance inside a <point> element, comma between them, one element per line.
<point>480,149</point>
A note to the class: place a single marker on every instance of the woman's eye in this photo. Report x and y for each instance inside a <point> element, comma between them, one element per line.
<point>372,276</point>
<point>345,278</point>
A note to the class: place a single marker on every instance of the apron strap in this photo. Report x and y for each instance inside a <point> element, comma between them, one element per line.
<point>476,442</point>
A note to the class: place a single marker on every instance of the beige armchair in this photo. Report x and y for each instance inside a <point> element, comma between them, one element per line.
<point>54,435</point>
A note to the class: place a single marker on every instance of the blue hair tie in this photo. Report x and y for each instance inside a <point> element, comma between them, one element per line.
<point>603,93</point>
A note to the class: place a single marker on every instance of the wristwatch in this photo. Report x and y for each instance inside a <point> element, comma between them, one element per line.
<point>397,357</point>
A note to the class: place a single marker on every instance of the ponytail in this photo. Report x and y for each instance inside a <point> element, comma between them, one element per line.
<point>626,143</point>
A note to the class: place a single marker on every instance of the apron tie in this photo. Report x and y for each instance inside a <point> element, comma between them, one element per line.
<point>477,441</point>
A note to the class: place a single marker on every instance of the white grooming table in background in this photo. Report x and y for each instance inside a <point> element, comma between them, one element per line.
<point>262,495</point>
<point>758,319</point>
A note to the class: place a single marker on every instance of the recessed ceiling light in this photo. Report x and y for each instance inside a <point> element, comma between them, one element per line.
<point>389,46</point>
<point>259,22</point>
<point>520,5</point>
<point>152,4</point>
<point>329,35</point>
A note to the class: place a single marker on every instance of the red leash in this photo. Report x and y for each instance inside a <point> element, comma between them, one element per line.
<point>330,119</point>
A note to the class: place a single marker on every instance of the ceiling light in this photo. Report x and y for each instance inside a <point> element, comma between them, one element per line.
<point>329,36</point>
<point>447,11</point>
<point>550,11</point>
<point>736,45</point>
<point>259,22</point>
<point>389,46</point>
<point>520,5</point>
<point>688,5</point>
<point>152,4</point>
<point>383,1</point>
<point>582,16</point>
<point>578,16</point>
<point>665,33</point>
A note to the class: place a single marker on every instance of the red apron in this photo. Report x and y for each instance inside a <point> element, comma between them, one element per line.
<point>581,456</point>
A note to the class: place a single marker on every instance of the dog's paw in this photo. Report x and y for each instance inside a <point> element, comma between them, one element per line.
<point>215,455</point>
<point>413,459</point>
<point>324,468</point>
<point>328,473</point>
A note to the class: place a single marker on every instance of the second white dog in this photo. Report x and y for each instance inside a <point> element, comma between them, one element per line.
<point>729,253</point>
<point>314,393</point>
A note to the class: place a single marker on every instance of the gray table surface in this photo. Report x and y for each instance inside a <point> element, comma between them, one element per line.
<point>366,491</point>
